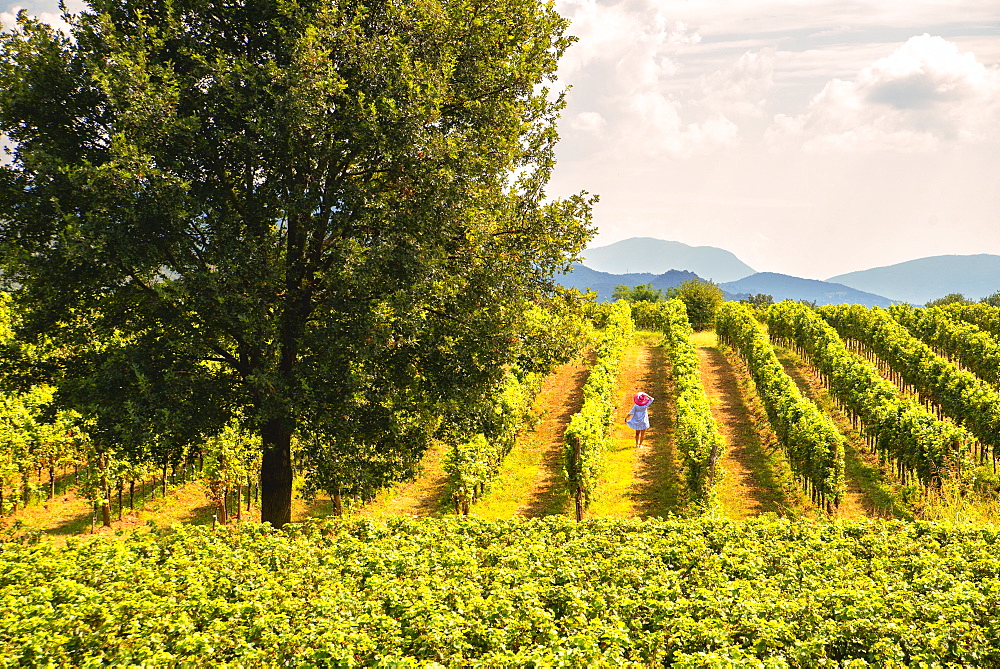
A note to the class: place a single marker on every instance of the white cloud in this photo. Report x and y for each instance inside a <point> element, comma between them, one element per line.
<point>631,31</point>
<point>741,88</point>
<point>623,72</point>
<point>588,122</point>
<point>8,19</point>
<point>925,94</point>
<point>652,123</point>
<point>651,126</point>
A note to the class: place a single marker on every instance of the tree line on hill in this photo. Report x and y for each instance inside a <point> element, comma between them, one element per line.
<point>701,298</point>
<point>958,298</point>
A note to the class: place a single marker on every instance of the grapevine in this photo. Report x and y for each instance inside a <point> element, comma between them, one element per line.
<point>963,343</point>
<point>898,428</point>
<point>465,592</point>
<point>698,435</point>
<point>960,395</point>
<point>814,446</point>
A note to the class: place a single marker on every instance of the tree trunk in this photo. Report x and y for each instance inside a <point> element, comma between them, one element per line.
<point>106,503</point>
<point>222,509</point>
<point>52,482</point>
<point>276,474</point>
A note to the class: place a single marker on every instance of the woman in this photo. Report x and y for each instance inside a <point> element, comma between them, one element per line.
<point>638,417</point>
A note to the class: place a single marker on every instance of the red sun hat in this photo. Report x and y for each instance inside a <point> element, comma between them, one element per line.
<point>642,399</point>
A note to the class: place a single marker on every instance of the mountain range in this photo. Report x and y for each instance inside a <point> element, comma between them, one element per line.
<point>665,264</point>
<point>647,255</point>
<point>925,279</point>
<point>778,286</point>
<point>785,287</point>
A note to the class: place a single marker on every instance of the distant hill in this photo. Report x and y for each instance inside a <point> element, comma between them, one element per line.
<point>784,287</point>
<point>583,279</point>
<point>926,279</point>
<point>779,286</point>
<point>657,256</point>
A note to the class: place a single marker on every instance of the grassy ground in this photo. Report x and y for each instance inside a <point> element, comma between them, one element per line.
<point>755,475</point>
<point>640,481</point>
<point>70,515</point>
<point>614,486</point>
<point>427,495</point>
<point>659,489</point>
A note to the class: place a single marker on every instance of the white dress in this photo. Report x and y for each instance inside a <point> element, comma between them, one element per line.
<point>639,417</point>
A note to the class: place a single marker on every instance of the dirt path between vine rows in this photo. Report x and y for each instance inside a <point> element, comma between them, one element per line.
<point>659,488</point>
<point>530,484</point>
<point>424,496</point>
<point>640,481</point>
<point>740,490</point>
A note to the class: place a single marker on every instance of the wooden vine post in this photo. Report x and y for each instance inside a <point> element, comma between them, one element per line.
<point>579,488</point>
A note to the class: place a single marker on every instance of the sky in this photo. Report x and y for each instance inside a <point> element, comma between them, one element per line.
<point>810,138</point>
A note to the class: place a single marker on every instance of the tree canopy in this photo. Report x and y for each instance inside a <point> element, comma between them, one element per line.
<point>318,216</point>
<point>641,293</point>
<point>992,300</point>
<point>701,299</point>
<point>758,300</point>
<point>950,298</point>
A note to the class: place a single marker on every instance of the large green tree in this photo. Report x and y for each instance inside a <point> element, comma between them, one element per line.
<point>307,212</point>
